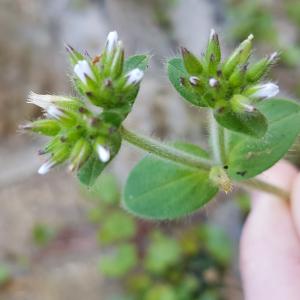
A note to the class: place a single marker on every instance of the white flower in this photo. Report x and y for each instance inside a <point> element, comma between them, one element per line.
<point>213,82</point>
<point>265,91</point>
<point>45,101</point>
<point>81,69</point>
<point>134,77</point>
<point>103,153</point>
<point>45,168</point>
<point>111,41</point>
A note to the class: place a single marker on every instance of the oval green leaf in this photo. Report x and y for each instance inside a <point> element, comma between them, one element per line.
<point>249,156</point>
<point>176,71</point>
<point>160,189</point>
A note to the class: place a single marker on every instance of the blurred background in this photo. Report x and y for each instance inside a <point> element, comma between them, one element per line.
<point>59,241</point>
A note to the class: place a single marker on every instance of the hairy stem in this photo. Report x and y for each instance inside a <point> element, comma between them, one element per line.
<point>217,141</point>
<point>164,151</point>
<point>263,186</point>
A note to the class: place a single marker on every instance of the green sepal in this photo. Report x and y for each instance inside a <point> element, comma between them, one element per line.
<point>136,61</point>
<point>160,189</point>
<point>191,63</point>
<point>177,73</point>
<point>248,156</point>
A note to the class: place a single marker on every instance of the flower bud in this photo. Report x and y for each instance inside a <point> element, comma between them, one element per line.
<point>191,62</point>
<point>263,91</point>
<point>239,56</point>
<point>59,155</point>
<point>83,70</point>
<point>238,76</point>
<point>118,62</point>
<point>45,127</point>
<point>102,149</point>
<point>213,82</point>
<point>74,55</point>
<point>79,154</point>
<point>111,42</point>
<point>261,68</point>
<point>63,116</point>
<point>241,104</point>
<point>213,51</point>
<point>134,77</point>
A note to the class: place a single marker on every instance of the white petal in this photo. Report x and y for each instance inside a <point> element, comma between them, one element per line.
<point>44,101</point>
<point>213,82</point>
<point>45,168</point>
<point>134,76</point>
<point>248,108</point>
<point>267,90</point>
<point>194,80</point>
<point>111,42</point>
<point>54,112</point>
<point>103,153</point>
<point>83,68</point>
<point>212,33</point>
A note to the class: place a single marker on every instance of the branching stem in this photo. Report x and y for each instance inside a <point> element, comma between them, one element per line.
<point>164,151</point>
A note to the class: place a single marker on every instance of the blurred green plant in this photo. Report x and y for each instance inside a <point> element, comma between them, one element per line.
<point>42,234</point>
<point>152,262</point>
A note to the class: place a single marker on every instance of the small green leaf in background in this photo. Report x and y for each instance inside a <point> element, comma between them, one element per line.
<point>177,73</point>
<point>254,123</point>
<point>248,156</point>
<point>162,253</point>
<point>42,234</point>
<point>117,226</point>
<point>217,243</point>
<point>106,189</point>
<point>136,61</point>
<point>161,292</point>
<point>5,275</point>
<point>120,262</point>
<point>209,295</point>
<point>160,189</point>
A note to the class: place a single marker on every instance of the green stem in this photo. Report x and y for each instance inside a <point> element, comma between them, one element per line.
<point>263,186</point>
<point>164,151</point>
<point>169,153</point>
<point>217,141</point>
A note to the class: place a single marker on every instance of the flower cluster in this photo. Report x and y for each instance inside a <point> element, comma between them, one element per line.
<point>87,126</point>
<point>233,86</point>
<point>216,82</point>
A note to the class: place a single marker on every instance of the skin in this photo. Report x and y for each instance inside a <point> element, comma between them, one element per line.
<point>270,242</point>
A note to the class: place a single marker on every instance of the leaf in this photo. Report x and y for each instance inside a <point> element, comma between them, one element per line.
<point>248,156</point>
<point>106,189</point>
<point>176,71</point>
<point>160,189</point>
<point>254,123</point>
<point>90,171</point>
<point>116,226</point>
<point>136,61</point>
<point>119,263</point>
<point>161,291</point>
<point>162,253</point>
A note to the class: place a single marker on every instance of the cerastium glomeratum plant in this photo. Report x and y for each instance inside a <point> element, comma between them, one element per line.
<point>248,132</point>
